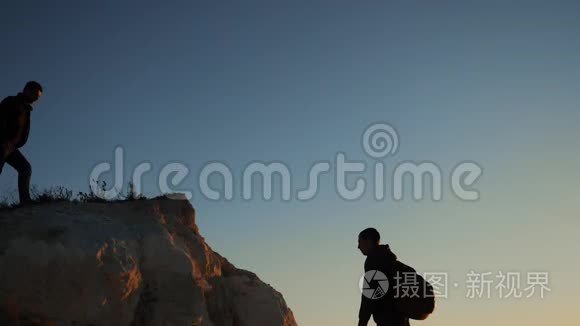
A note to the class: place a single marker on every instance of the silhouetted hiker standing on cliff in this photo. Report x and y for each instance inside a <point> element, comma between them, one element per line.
<point>14,129</point>
<point>379,258</point>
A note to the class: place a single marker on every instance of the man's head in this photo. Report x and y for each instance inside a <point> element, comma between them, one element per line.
<point>32,91</point>
<point>368,239</point>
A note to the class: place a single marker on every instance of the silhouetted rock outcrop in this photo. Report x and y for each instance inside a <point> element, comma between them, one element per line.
<point>131,263</point>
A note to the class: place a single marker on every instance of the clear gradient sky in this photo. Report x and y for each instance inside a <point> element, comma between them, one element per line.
<point>496,82</point>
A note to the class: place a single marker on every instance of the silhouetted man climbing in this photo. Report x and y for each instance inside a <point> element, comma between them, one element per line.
<point>14,129</point>
<point>379,258</point>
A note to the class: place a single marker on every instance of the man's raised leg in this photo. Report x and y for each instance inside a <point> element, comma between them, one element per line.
<point>21,164</point>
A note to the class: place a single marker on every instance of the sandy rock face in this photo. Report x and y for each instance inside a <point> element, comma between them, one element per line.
<point>132,263</point>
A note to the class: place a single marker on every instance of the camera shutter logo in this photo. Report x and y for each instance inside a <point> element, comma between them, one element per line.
<point>374,277</point>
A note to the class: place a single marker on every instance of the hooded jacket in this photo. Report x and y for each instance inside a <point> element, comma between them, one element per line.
<point>15,120</point>
<point>383,310</point>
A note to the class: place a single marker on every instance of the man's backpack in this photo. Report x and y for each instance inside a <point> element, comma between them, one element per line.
<point>414,296</point>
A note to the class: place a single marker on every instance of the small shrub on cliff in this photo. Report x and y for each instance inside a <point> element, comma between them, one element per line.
<point>99,196</point>
<point>63,194</point>
<point>91,196</point>
<point>132,194</point>
<point>52,194</point>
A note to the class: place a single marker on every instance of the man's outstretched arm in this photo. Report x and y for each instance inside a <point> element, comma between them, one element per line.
<point>8,116</point>
<point>365,311</point>
<point>367,305</point>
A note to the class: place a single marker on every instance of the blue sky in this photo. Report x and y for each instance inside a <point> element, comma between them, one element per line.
<point>492,82</point>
